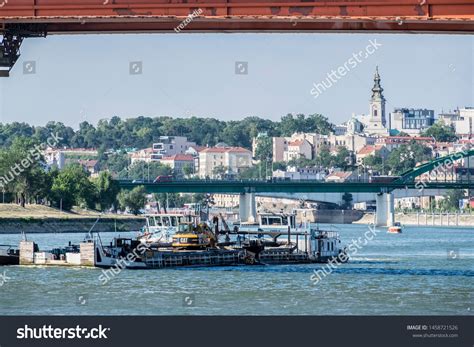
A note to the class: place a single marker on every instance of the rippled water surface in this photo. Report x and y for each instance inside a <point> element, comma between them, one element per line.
<point>422,271</point>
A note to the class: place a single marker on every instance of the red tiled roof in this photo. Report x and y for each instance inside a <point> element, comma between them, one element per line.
<point>367,149</point>
<point>296,143</point>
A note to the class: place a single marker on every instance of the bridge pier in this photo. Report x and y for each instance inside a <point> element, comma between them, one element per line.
<point>247,208</point>
<point>385,215</point>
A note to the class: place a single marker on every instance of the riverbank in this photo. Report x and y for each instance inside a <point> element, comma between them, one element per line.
<point>42,219</point>
<point>426,219</point>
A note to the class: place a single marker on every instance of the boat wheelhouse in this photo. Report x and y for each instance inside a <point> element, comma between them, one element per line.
<point>161,227</point>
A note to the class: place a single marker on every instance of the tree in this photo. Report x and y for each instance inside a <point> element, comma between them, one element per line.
<point>72,187</point>
<point>21,168</point>
<point>374,162</point>
<point>279,165</point>
<point>134,199</point>
<point>166,200</point>
<point>342,159</point>
<point>324,157</point>
<point>264,150</point>
<point>441,132</point>
<point>347,198</point>
<point>451,200</point>
<point>316,123</point>
<point>219,171</point>
<point>407,157</point>
<point>141,170</point>
<point>117,162</point>
<point>106,189</point>
<point>188,170</point>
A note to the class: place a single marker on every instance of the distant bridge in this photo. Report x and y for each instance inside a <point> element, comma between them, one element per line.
<point>383,190</point>
<point>257,186</point>
<point>406,181</point>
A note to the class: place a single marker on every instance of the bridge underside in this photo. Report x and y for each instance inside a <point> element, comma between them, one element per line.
<point>287,23</point>
<point>73,16</point>
<point>20,19</point>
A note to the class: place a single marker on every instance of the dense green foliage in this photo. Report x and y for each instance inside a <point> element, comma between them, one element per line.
<point>400,159</point>
<point>441,132</point>
<point>134,200</point>
<point>141,132</point>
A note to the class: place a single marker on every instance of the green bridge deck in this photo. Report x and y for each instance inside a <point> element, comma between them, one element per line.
<point>236,187</point>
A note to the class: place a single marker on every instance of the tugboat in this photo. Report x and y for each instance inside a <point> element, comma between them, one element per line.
<point>9,255</point>
<point>396,228</point>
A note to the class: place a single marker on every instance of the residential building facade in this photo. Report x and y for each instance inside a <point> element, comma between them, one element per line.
<point>170,145</point>
<point>232,160</point>
<point>411,121</point>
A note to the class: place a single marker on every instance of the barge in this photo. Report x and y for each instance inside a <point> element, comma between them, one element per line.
<point>197,244</point>
<point>9,255</point>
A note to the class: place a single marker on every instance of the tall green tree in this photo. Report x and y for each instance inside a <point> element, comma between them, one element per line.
<point>264,150</point>
<point>106,189</point>
<point>22,170</point>
<point>407,157</point>
<point>72,187</point>
<point>134,199</point>
<point>141,170</point>
<point>451,200</point>
<point>441,132</point>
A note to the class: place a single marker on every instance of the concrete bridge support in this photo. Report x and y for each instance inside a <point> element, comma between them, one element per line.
<point>247,208</point>
<point>385,215</point>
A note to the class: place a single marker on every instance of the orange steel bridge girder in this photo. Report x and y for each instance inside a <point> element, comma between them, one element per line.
<point>96,16</point>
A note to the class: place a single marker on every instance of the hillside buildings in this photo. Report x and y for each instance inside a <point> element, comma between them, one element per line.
<point>170,145</point>
<point>217,161</point>
<point>411,121</point>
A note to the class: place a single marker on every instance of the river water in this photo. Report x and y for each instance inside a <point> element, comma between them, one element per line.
<point>425,270</point>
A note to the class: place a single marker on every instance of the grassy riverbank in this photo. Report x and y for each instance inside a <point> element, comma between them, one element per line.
<point>41,211</point>
<point>41,219</point>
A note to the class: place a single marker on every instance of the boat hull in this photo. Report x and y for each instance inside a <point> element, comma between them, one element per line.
<point>9,260</point>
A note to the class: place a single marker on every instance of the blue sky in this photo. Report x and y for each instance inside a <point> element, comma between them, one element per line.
<point>88,77</point>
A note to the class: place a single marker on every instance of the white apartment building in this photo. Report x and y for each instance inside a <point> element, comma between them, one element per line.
<point>296,146</point>
<point>465,123</point>
<point>144,154</point>
<point>232,159</point>
<point>298,149</point>
<point>294,173</point>
<point>170,145</point>
<point>178,162</point>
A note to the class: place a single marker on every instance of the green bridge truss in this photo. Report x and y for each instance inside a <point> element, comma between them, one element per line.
<point>410,175</point>
<point>406,181</point>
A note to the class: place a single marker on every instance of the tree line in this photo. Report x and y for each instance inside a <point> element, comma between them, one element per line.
<point>142,132</point>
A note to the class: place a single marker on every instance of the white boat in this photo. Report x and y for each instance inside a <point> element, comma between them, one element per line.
<point>122,253</point>
<point>396,228</point>
<point>320,243</point>
<point>160,228</point>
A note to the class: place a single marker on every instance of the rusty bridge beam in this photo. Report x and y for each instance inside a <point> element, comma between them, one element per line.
<point>75,16</point>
